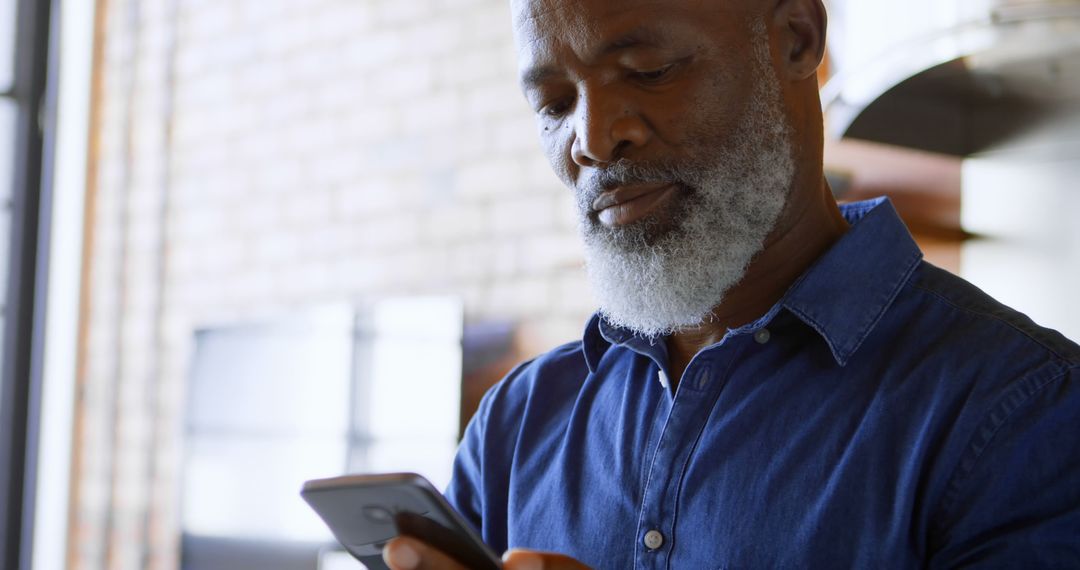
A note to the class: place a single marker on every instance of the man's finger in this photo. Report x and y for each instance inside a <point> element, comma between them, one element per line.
<point>405,553</point>
<point>531,560</point>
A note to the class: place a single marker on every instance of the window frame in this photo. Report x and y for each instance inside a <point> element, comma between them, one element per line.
<point>20,368</point>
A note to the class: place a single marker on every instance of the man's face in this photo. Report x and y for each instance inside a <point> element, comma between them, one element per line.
<point>665,118</point>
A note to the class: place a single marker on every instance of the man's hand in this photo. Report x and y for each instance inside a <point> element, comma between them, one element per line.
<point>405,553</point>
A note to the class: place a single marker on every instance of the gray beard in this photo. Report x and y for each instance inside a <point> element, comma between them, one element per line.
<point>656,280</point>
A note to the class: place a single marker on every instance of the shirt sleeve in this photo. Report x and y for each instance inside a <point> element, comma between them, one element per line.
<point>465,490</point>
<point>480,481</point>
<point>1015,499</point>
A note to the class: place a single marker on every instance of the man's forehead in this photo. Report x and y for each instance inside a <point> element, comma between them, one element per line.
<point>578,12</point>
<point>524,10</point>
<point>540,23</point>
<point>590,28</point>
<point>544,21</point>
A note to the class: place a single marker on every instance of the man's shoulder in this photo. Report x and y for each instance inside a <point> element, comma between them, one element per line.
<point>1002,391</point>
<point>545,380</point>
<point>983,323</point>
<point>562,363</point>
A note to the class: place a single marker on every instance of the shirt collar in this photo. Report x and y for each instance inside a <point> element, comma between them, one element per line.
<point>847,290</point>
<point>600,335</point>
<point>593,343</point>
<point>866,268</point>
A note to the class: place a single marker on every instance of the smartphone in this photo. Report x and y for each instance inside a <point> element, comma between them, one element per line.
<point>365,511</point>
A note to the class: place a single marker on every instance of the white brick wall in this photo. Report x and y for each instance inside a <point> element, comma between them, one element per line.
<point>316,151</point>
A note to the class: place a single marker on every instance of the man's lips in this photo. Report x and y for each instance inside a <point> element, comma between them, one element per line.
<point>628,204</point>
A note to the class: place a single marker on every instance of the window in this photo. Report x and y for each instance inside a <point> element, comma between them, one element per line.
<point>8,115</point>
<point>24,41</point>
<point>7,45</point>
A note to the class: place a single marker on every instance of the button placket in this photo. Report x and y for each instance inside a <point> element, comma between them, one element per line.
<point>690,407</point>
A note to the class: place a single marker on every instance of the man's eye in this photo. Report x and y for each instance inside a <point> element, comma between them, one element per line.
<point>555,110</point>
<point>653,75</point>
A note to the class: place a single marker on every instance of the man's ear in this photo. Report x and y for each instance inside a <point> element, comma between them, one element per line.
<point>801,26</point>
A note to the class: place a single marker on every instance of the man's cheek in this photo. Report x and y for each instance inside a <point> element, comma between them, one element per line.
<point>557,149</point>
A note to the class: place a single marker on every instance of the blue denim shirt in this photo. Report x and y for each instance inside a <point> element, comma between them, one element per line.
<point>884,414</point>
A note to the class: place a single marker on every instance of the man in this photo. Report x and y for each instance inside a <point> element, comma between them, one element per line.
<point>771,381</point>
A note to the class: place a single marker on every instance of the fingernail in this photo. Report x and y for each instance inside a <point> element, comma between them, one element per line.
<point>401,555</point>
<point>522,560</point>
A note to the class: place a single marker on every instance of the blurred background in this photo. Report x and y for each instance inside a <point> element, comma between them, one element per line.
<point>250,242</point>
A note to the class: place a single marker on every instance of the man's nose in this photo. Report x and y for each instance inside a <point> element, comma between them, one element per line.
<point>606,129</point>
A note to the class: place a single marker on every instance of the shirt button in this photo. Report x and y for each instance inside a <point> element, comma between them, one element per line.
<point>762,336</point>
<point>653,540</point>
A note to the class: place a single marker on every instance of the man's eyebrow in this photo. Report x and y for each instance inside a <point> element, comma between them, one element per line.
<point>638,37</point>
<point>534,76</point>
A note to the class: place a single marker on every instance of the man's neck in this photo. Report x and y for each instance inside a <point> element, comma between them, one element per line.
<point>806,229</point>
